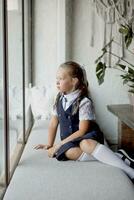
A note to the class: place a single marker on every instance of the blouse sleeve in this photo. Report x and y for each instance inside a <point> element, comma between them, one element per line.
<point>54,112</point>
<point>86,110</point>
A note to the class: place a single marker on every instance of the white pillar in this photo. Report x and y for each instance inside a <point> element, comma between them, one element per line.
<point>64,14</point>
<point>61,31</point>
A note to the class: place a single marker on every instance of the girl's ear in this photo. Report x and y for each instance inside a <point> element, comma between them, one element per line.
<point>75,81</point>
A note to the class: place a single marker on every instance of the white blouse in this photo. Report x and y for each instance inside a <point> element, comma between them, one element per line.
<point>86,110</point>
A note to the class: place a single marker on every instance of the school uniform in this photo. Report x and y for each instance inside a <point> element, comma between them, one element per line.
<point>69,123</point>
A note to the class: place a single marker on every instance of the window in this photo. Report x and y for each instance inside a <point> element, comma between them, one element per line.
<point>15,78</point>
<point>2,153</point>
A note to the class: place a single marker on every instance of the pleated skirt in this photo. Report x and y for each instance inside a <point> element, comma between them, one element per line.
<point>96,135</point>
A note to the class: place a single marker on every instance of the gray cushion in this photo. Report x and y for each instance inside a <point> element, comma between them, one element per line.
<point>38,177</point>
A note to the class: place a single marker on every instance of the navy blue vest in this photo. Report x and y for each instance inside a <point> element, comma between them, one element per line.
<point>68,123</point>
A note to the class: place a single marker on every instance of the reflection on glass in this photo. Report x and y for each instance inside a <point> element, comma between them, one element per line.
<point>15,72</point>
<point>27,65</point>
<point>1,99</point>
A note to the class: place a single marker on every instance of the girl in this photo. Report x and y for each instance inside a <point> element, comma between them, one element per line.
<point>81,138</point>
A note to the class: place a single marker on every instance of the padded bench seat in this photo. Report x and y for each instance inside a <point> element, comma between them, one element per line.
<point>38,177</point>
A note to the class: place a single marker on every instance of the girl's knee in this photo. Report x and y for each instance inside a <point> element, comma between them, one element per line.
<point>88,145</point>
<point>73,153</point>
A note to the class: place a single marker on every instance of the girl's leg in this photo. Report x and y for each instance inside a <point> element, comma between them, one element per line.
<point>105,155</point>
<point>85,157</point>
<point>73,153</point>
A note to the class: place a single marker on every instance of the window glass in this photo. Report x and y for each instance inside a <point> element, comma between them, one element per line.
<point>14,14</point>
<point>1,100</point>
<point>27,36</point>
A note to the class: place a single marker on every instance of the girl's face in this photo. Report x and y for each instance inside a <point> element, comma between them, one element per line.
<point>65,83</point>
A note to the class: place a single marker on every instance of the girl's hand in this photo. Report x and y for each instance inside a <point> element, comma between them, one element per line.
<point>42,146</point>
<point>53,150</point>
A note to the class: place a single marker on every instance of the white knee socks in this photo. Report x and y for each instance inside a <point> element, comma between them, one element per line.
<point>85,157</point>
<point>105,155</point>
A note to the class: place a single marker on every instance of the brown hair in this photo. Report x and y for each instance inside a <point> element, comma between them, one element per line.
<point>75,71</point>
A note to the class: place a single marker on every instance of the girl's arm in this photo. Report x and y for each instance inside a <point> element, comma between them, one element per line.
<point>84,127</point>
<point>86,114</point>
<point>52,129</point>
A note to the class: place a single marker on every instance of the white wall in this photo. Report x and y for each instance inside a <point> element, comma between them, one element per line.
<point>76,33</point>
<point>52,38</point>
<point>45,41</point>
<point>112,91</point>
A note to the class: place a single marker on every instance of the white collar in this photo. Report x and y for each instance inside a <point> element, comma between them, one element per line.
<point>72,95</point>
